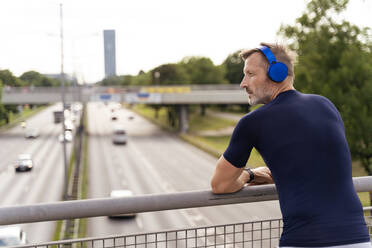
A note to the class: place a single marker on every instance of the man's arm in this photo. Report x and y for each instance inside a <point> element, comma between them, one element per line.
<point>228,179</point>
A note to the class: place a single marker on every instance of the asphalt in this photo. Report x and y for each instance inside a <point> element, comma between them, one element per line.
<point>154,161</point>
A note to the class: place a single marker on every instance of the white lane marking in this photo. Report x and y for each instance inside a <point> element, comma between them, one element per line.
<point>139,222</point>
<point>192,216</point>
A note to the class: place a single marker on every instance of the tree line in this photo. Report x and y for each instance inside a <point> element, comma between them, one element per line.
<point>27,79</point>
<point>190,70</point>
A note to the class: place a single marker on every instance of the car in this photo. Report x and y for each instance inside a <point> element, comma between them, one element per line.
<point>68,136</point>
<point>131,117</point>
<point>114,117</point>
<point>122,193</point>
<point>119,136</point>
<point>12,236</point>
<point>24,162</point>
<point>69,125</point>
<point>31,133</point>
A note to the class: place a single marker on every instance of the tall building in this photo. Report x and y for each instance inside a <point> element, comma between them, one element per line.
<point>110,51</point>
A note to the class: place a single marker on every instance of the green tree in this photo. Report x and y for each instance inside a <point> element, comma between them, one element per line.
<point>335,60</point>
<point>36,79</point>
<point>201,70</point>
<point>143,78</point>
<point>234,68</point>
<point>169,74</point>
<point>3,112</point>
<point>111,81</point>
<point>9,79</point>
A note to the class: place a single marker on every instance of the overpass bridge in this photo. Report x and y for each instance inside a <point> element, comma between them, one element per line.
<point>179,95</point>
<point>172,94</point>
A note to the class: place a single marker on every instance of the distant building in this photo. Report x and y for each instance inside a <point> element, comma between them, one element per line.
<point>110,51</point>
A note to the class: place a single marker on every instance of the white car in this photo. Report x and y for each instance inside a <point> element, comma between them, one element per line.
<point>119,135</point>
<point>31,133</point>
<point>12,236</point>
<point>24,162</point>
<point>122,193</point>
<point>68,137</point>
<point>69,125</point>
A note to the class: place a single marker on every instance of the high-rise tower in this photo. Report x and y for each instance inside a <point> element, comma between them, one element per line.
<point>110,50</point>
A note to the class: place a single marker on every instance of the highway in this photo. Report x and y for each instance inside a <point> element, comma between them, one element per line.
<point>44,183</point>
<point>154,161</point>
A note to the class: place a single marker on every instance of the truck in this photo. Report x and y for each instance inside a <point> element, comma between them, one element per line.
<point>58,116</point>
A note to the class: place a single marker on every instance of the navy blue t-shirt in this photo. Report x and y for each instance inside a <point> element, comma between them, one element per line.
<point>301,138</point>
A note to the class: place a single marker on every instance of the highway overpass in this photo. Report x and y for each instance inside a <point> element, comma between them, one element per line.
<point>181,95</point>
<point>176,94</point>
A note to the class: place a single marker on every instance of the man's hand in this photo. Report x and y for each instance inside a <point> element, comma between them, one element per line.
<point>262,175</point>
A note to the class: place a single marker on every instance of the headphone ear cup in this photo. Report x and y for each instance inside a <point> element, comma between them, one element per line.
<point>277,72</point>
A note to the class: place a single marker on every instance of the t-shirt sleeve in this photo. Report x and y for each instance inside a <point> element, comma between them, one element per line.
<point>241,143</point>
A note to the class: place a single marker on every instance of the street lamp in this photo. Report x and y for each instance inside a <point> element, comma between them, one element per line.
<point>65,191</point>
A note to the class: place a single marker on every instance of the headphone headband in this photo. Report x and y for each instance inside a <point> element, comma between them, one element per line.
<point>268,54</point>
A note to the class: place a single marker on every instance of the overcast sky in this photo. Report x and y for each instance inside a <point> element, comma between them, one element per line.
<point>148,32</point>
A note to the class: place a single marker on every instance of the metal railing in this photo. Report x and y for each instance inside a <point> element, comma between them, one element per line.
<point>265,233</point>
<point>260,234</point>
<point>144,203</point>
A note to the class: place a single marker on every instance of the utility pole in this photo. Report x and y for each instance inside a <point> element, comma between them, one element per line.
<point>65,191</point>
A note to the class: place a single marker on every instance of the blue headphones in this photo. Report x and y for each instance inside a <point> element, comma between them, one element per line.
<point>277,71</point>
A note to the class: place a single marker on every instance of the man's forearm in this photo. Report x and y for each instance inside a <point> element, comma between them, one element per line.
<point>234,185</point>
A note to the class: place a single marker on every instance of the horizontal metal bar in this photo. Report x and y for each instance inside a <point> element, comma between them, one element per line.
<point>143,203</point>
<point>367,208</point>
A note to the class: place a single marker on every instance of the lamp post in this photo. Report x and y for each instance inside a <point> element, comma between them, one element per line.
<point>65,191</point>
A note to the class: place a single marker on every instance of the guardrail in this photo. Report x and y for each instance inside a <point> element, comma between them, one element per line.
<point>143,203</point>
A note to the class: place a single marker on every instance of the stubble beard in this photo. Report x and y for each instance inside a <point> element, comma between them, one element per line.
<point>261,96</point>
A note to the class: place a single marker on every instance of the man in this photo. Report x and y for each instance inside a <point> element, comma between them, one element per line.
<point>301,138</point>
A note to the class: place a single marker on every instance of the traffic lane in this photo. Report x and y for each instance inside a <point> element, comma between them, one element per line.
<point>195,217</point>
<point>14,139</point>
<point>47,188</point>
<point>121,173</point>
<point>13,184</point>
<point>191,169</point>
<point>30,187</point>
<point>188,171</point>
<point>100,179</point>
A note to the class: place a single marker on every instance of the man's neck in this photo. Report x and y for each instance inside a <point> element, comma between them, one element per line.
<point>280,90</point>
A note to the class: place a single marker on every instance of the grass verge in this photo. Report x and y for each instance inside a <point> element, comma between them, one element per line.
<point>149,114</point>
<point>84,179</point>
<point>82,223</point>
<point>15,119</point>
